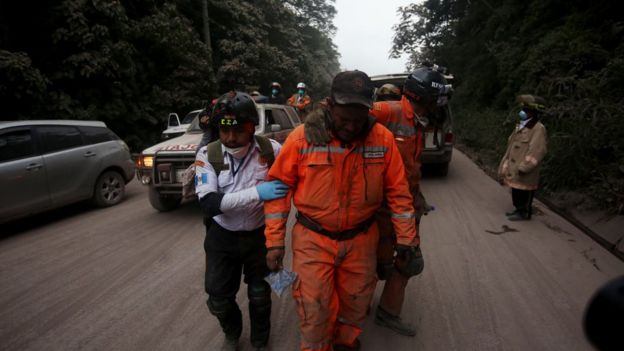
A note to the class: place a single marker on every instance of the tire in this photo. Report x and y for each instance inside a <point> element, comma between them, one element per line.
<point>110,189</point>
<point>163,203</point>
<point>442,169</point>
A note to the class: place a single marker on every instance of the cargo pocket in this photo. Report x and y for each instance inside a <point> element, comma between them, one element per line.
<point>298,299</point>
<point>373,181</point>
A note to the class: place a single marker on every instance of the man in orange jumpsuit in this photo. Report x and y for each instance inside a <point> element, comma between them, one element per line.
<point>337,189</point>
<point>300,101</point>
<point>421,94</point>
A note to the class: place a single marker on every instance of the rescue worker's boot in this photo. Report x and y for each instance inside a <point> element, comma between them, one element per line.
<point>230,318</point>
<point>230,344</point>
<point>341,347</point>
<point>511,213</point>
<point>395,323</point>
<point>519,216</point>
<point>259,294</point>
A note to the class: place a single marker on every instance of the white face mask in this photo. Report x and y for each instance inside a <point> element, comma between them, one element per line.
<point>238,152</point>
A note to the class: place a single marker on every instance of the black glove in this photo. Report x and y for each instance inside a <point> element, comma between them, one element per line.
<point>316,127</point>
<point>409,260</point>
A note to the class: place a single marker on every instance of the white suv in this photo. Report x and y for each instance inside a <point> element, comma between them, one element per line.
<point>175,127</point>
<point>161,167</point>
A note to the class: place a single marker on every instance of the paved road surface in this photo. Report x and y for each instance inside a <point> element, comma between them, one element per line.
<point>129,278</point>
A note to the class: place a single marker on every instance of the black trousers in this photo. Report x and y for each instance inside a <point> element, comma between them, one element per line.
<point>523,200</point>
<point>229,255</point>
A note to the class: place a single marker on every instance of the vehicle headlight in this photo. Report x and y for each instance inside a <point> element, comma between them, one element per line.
<point>147,161</point>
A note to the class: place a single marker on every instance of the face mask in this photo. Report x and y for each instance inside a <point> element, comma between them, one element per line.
<point>274,92</point>
<point>523,115</point>
<point>301,92</point>
<point>237,152</point>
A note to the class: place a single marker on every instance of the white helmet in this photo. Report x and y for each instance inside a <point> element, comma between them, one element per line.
<point>301,85</point>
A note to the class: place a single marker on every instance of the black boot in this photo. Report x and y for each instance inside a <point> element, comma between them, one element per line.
<point>230,345</point>
<point>259,294</point>
<point>511,213</point>
<point>519,216</point>
<point>230,318</point>
<point>393,323</point>
<point>342,347</point>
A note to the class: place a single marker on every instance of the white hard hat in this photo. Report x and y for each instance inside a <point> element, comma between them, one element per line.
<point>301,85</point>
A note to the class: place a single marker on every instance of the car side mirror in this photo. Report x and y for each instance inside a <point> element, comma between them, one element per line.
<point>275,127</point>
<point>174,120</point>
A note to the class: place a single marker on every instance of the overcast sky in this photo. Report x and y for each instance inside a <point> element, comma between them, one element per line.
<point>364,35</point>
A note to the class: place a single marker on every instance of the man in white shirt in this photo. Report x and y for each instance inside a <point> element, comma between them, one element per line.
<point>230,183</point>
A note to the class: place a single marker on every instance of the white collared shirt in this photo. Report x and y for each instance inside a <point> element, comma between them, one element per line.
<point>241,205</point>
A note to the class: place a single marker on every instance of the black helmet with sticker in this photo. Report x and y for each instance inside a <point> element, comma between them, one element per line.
<point>234,108</point>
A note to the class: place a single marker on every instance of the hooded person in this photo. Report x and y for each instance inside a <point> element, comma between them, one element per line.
<point>526,147</point>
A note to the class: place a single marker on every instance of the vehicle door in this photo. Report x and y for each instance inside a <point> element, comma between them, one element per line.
<point>24,187</point>
<point>284,125</point>
<point>293,116</point>
<point>72,167</point>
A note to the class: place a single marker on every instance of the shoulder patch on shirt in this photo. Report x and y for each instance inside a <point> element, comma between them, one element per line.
<point>201,178</point>
<point>199,163</point>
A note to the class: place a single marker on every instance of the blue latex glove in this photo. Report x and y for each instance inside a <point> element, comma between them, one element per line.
<point>272,190</point>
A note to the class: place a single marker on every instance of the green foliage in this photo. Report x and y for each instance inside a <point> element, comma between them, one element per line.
<point>21,81</point>
<point>131,62</point>
<point>570,52</point>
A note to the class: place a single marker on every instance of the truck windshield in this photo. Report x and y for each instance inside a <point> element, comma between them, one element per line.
<point>189,117</point>
<point>194,127</point>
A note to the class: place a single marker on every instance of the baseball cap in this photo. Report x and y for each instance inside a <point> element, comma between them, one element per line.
<point>352,87</point>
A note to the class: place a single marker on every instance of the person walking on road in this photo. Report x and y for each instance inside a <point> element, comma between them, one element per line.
<point>421,92</point>
<point>520,166</point>
<point>421,95</point>
<point>230,184</point>
<point>300,101</point>
<point>337,189</point>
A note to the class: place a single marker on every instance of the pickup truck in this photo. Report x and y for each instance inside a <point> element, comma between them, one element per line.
<point>175,127</point>
<point>161,167</point>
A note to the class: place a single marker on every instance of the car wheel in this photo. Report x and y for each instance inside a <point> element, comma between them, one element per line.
<point>163,203</point>
<point>110,189</point>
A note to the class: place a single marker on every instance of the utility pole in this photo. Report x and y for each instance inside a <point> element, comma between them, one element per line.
<point>207,41</point>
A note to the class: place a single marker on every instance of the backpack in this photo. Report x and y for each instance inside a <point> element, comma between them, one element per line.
<point>215,158</point>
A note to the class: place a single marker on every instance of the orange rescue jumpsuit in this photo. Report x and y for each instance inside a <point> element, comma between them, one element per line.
<point>300,104</point>
<point>339,187</point>
<point>398,117</point>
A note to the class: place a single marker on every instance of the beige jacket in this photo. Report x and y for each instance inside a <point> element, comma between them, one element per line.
<point>526,148</point>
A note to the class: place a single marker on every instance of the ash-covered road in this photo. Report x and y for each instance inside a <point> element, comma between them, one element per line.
<point>130,278</point>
